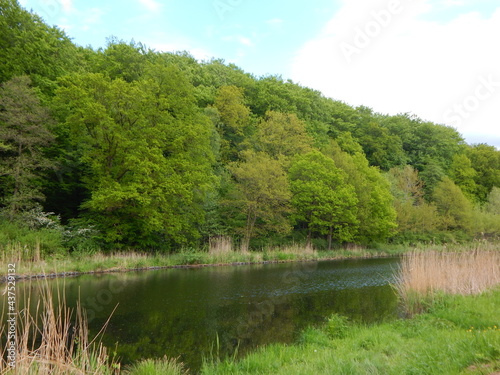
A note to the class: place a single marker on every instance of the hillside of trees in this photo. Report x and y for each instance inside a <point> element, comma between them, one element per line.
<point>127,147</point>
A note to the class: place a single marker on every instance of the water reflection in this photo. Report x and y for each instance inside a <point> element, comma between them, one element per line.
<point>179,313</point>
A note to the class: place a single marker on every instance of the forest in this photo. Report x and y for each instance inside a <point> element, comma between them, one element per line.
<point>125,147</point>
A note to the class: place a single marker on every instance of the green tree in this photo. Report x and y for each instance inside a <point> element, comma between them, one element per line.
<point>485,160</point>
<point>283,136</point>
<point>119,59</point>
<point>463,174</point>
<point>375,211</point>
<point>148,155</point>
<point>454,209</point>
<point>322,198</point>
<point>414,214</point>
<point>262,195</point>
<point>382,148</point>
<point>29,47</point>
<point>24,135</point>
<point>492,205</point>
<point>234,119</point>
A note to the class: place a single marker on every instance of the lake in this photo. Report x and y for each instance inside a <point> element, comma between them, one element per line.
<point>199,313</point>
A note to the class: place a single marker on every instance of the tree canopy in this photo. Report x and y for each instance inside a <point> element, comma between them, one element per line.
<point>157,150</point>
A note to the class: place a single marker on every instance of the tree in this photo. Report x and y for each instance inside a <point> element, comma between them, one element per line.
<point>148,155</point>
<point>463,174</point>
<point>486,162</point>
<point>382,149</point>
<point>24,134</point>
<point>262,194</point>
<point>492,206</point>
<point>454,208</point>
<point>413,213</point>
<point>30,47</point>
<point>234,120</point>
<point>322,198</point>
<point>375,211</point>
<point>282,136</point>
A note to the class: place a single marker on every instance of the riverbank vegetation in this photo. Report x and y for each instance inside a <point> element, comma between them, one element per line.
<point>102,262</point>
<point>127,148</point>
<point>49,338</point>
<point>455,331</point>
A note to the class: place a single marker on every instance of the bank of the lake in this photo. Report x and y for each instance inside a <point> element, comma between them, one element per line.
<point>458,335</point>
<point>77,264</point>
<point>106,262</point>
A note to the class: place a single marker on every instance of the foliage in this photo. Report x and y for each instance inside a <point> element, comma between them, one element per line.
<point>23,136</point>
<point>322,199</point>
<point>261,194</point>
<point>375,212</point>
<point>154,150</point>
<point>486,162</point>
<point>453,206</point>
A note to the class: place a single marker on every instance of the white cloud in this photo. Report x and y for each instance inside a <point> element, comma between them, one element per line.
<point>151,5</point>
<point>243,40</point>
<point>392,59</point>
<point>67,6</point>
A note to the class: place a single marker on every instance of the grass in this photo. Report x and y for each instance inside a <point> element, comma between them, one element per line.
<point>165,366</point>
<point>459,332</point>
<point>54,340</point>
<point>438,342</point>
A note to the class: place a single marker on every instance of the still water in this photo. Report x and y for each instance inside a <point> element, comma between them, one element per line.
<point>183,313</point>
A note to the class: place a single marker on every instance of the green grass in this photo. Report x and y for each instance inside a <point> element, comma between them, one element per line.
<point>164,366</point>
<point>459,335</point>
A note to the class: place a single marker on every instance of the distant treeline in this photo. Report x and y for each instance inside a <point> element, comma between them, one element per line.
<point>124,146</point>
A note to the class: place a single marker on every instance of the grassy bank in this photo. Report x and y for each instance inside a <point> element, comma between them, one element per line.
<point>133,260</point>
<point>29,262</point>
<point>457,333</point>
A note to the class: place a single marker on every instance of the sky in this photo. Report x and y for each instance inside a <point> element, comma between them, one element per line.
<point>436,59</point>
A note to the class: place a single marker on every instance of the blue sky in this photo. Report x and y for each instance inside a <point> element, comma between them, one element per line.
<point>438,59</point>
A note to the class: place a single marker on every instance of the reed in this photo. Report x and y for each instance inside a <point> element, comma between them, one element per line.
<point>55,340</point>
<point>425,275</point>
<point>220,245</point>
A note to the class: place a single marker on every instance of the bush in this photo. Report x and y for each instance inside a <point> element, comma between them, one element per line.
<point>27,242</point>
<point>337,326</point>
<point>82,238</point>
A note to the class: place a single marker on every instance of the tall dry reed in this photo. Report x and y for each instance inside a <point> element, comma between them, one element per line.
<point>55,340</point>
<point>423,275</point>
<point>220,245</point>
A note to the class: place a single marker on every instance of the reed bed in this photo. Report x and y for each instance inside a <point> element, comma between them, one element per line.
<point>220,245</point>
<point>425,275</point>
<point>55,340</point>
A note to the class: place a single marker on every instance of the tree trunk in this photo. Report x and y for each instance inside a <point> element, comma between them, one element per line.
<point>330,235</point>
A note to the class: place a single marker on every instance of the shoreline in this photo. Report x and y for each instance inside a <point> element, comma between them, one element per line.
<point>64,274</point>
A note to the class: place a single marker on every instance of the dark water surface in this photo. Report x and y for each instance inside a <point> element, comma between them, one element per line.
<point>184,312</point>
